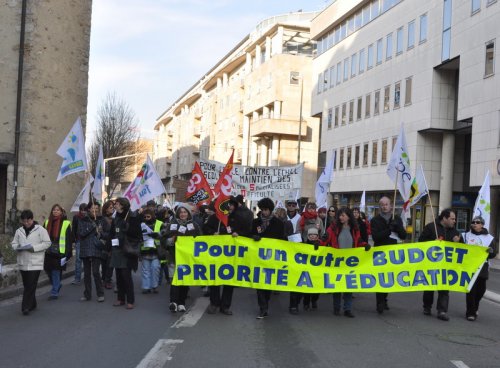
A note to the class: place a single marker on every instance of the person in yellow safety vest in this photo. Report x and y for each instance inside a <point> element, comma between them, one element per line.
<point>150,263</point>
<point>60,251</point>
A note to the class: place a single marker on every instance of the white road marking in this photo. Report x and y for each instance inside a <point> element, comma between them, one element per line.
<point>159,354</point>
<point>490,295</point>
<point>193,315</point>
<point>459,364</point>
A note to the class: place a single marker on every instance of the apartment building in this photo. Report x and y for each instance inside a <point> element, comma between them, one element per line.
<point>431,66</point>
<point>256,100</point>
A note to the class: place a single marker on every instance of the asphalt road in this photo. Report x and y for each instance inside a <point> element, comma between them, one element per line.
<point>71,333</point>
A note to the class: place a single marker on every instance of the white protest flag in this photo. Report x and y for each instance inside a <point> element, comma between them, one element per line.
<point>323,183</point>
<point>99,177</point>
<point>147,185</point>
<point>279,204</point>
<point>362,202</point>
<point>418,187</point>
<point>84,195</point>
<point>398,168</point>
<point>72,150</point>
<point>483,203</point>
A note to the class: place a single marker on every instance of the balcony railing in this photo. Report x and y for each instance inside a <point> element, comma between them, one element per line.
<point>269,126</point>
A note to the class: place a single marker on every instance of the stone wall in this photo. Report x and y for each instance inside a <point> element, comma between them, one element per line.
<point>54,94</point>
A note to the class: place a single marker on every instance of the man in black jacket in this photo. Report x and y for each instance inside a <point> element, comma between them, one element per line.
<point>386,230</point>
<point>240,217</point>
<point>266,226</point>
<point>445,228</point>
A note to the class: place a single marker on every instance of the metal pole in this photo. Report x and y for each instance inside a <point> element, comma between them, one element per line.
<point>300,118</point>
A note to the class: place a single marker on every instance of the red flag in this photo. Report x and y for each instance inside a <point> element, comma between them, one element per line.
<point>223,192</point>
<point>198,190</point>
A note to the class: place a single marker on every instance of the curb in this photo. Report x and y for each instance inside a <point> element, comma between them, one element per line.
<point>492,297</point>
<point>17,290</point>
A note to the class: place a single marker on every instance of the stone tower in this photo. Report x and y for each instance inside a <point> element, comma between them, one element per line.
<point>43,89</point>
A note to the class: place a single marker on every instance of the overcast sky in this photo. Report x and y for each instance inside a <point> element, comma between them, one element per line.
<point>151,51</point>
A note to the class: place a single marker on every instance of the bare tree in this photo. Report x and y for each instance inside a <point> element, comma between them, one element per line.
<point>118,134</point>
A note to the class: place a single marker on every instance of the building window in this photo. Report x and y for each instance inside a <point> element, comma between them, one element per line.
<point>335,159</point>
<point>399,41</point>
<point>356,156</point>
<point>366,14</point>
<point>411,34</point>
<point>367,105</point>
<point>344,113</point>
<point>387,93</point>
<point>365,154</point>
<point>325,80</point>
<point>408,91</point>
<point>375,8</point>
<point>349,157</point>
<point>359,108</point>
<point>320,84</point>
<point>379,51</point>
<point>446,42</point>
<point>346,69</point>
<point>376,108</point>
<point>370,57</point>
<point>388,50</point>
<point>339,73</point>
<point>393,142</point>
<point>336,122</point>
<point>341,159</point>
<point>489,64</point>
<point>476,6</point>
<point>351,111</point>
<point>397,95</point>
<point>354,64</point>
<point>330,117</point>
<point>384,151</point>
<point>332,76</point>
<point>423,28</point>
<point>361,61</point>
<point>374,152</point>
<point>489,2</point>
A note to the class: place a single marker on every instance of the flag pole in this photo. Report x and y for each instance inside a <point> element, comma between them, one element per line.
<point>430,202</point>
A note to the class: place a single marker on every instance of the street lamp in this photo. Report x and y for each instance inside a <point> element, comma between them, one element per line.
<point>299,78</point>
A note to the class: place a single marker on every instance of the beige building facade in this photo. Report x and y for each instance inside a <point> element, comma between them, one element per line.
<point>251,101</point>
<point>431,66</point>
<point>43,89</point>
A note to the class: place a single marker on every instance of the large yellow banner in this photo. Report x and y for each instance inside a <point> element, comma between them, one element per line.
<point>284,266</point>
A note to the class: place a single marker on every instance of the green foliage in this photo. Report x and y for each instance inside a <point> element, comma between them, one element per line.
<point>9,255</point>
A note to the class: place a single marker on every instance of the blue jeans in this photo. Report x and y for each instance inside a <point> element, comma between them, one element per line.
<point>78,263</point>
<point>55,280</point>
<point>150,273</point>
<point>347,301</point>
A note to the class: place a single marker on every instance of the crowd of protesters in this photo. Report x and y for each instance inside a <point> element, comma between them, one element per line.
<point>115,240</point>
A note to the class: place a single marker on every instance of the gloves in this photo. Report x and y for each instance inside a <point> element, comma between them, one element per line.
<point>324,237</point>
<point>316,246</point>
<point>256,237</point>
<point>367,247</point>
<point>155,235</point>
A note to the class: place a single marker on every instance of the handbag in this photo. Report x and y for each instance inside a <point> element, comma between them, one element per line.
<point>130,249</point>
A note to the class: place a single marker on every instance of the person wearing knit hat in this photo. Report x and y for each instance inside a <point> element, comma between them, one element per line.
<point>266,226</point>
<point>309,218</point>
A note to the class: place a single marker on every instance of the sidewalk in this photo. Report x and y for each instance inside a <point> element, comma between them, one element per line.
<point>495,264</point>
<point>15,287</point>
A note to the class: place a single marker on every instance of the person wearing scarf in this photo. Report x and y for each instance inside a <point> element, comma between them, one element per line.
<point>30,241</point>
<point>266,226</point>
<point>478,235</point>
<point>386,230</point>
<point>53,256</point>
<point>126,224</point>
<point>310,219</point>
<point>181,225</point>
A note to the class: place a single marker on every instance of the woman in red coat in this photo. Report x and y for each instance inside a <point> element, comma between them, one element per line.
<point>344,234</point>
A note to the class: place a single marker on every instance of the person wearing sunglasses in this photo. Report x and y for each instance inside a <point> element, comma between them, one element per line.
<point>330,216</point>
<point>292,211</point>
<point>445,228</point>
<point>478,235</point>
